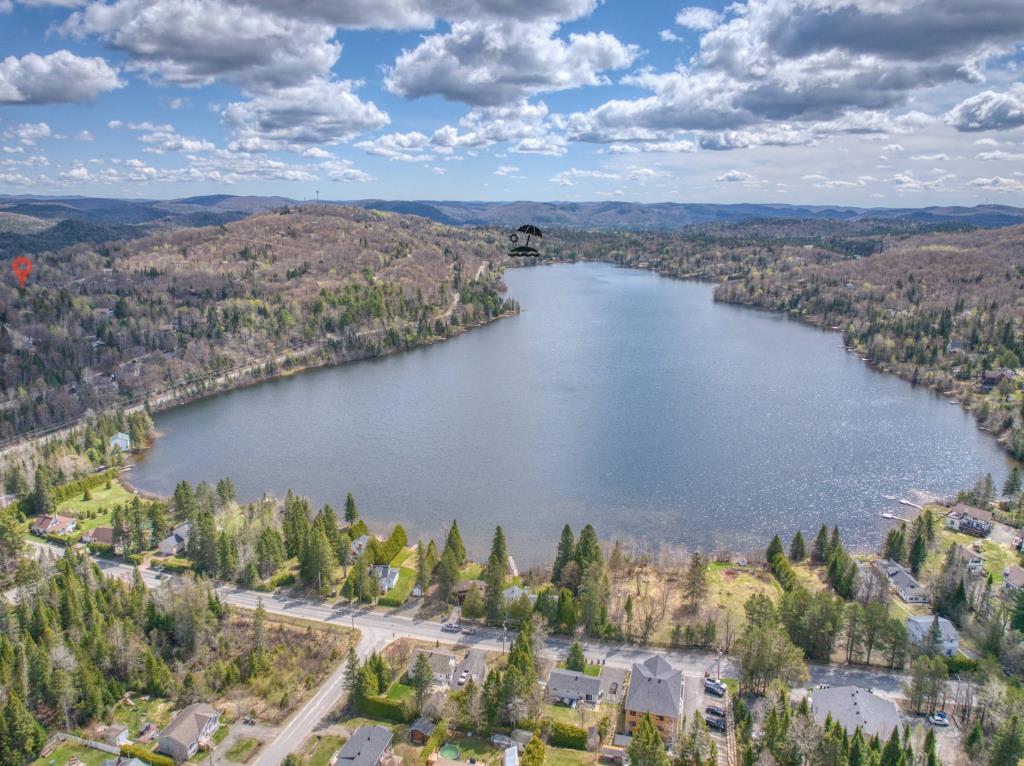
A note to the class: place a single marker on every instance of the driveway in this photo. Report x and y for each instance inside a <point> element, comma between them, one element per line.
<point>475,663</point>
<point>616,677</point>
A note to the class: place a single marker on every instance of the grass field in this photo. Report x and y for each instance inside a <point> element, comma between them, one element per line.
<point>243,750</point>
<point>401,557</point>
<point>320,754</point>
<point>400,692</point>
<point>152,710</point>
<point>402,590</point>
<point>589,670</point>
<point>557,756</point>
<point>66,751</point>
<point>103,500</point>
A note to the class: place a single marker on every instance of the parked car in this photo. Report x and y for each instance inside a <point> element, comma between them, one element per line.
<point>718,724</point>
<point>715,687</point>
<point>614,688</point>
<point>469,630</point>
<point>463,676</point>
<point>939,719</point>
<point>450,627</point>
<point>715,710</point>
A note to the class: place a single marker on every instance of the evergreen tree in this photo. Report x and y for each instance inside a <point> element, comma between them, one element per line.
<point>647,747</point>
<point>422,572</point>
<point>797,548</point>
<point>566,550</point>
<point>227,556</point>
<point>316,562</point>
<point>351,512</point>
<point>1011,488</point>
<point>892,753</point>
<point>566,613</point>
<point>41,501</point>
<point>454,544</point>
<point>575,660</point>
<point>1008,745</point>
<point>447,574</point>
<point>473,605</point>
<point>296,524</point>
<point>774,549</point>
<point>494,579</point>
<point>420,678</point>
<point>918,553</point>
<point>588,549</point>
<point>535,752</point>
<point>820,550</point>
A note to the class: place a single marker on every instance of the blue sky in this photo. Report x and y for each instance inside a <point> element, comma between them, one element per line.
<point>866,102</point>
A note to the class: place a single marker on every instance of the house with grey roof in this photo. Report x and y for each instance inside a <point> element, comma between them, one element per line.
<point>386,576</point>
<point>176,542</point>
<point>359,544</point>
<point>902,581</point>
<point>970,520</point>
<point>191,729</point>
<point>121,440</point>
<point>1013,578</point>
<point>369,746</point>
<point>919,629</point>
<point>442,664</point>
<point>516,592</point>
<point>655,687</point>
<point>852,706</point>
<point>568,686</point>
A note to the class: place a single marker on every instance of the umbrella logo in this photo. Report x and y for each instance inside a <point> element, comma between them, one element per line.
<point>524,250</point>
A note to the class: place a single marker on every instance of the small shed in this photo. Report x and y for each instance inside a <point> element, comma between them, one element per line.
<point>421,730</point>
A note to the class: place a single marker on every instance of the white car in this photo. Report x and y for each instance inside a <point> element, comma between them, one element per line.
<point>463,677</point>
<point>939,719</point>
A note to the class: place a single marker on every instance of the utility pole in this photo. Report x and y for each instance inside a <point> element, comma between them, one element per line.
<point>318,196</point>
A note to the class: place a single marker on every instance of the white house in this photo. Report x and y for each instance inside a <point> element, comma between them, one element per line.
<point>387,577</point>
<point>515,592</point>
<point>968,559</point>
<point>969,520</point>
<point>920,628</point>
<point>53,525</point>
<point>442,664</point>
<point>122,441</point>
<point>904,583</point>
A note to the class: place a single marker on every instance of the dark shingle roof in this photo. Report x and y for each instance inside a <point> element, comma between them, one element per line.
<point>570,683</point>
<point>851,707</point>
<point>655,687</point>
<point>189,722</point>
<point>365,747</point>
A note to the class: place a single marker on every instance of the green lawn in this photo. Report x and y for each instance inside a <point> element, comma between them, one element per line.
<point>557,756</point>
<point>103,502</point>
<point>155,710</point>
<point>400,692</point>
<point>402,590</point>
<point>243,750</point>
<point>400,557</point>
<point>475,747</point>
<point>325,748</point>
<point>589,670</point>
<point>471,571</point>
<point>66,751</point>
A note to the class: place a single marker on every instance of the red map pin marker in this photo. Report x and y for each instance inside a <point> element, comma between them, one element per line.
<point>22,267</point>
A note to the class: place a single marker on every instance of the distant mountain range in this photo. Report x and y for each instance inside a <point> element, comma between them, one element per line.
<point>35,223</point>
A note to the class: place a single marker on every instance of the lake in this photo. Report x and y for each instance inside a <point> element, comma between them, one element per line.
<point>616,397</point>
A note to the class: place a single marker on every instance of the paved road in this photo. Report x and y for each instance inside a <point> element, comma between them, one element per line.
<point>379,628</point>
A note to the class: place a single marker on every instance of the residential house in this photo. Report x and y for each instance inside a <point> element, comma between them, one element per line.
<point>116,734</point>
<point>369,746</point>
<point>851,707</point>
<point>920,628</point>
<point>359,545</point>
<point>904,583</point>
<point>1013,578</point>
<point>176,542</point>
<point>122,760</point>
<point>968,559</point>
<point>53,525</point>
<point>386,576</point>
<point>191,729</point>
<point>515,592</point>
<point>462,587</point>
<point>569,686</point>
<point>99,535</point>
<point>421,730</point>
<point>655,687</point>
<point>992,378</point>
<point>121,440</point>
<point>969,520</point>
<point>442,664</point>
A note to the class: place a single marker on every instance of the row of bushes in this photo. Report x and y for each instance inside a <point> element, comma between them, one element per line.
<point>78,487</point>
<point>384,709</point>
<point>434,741</point>
<point>154,759</point>
<point>566,735</point>
<point>783,571</point>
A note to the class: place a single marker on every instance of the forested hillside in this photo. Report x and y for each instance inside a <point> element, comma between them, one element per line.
<point>101,325</point>
<point>946,310</point>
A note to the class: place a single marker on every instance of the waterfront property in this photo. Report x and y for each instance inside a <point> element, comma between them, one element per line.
<point>386,576</point>
<point>191,729</point>
<point>851,706</point>
<point>176,542</point>
<point>99,535</point>
<point>969,520</point>
<point>122,441</point>
<point>920,630</point>
<point>571,687</point>
<point>359,545</point>
<point>516,592</point>
<point>905,584</point>
<point>53,525</point>
<point>968,559</point>
<point>1013,578</point>
<point>655,687</point>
